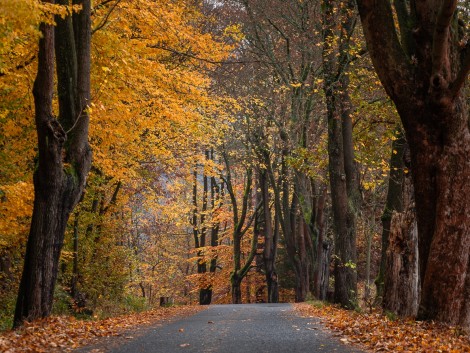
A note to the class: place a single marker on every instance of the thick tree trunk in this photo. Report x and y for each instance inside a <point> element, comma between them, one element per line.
<point>442,187</point>
<point>64,157</point>
<point>425,77</point>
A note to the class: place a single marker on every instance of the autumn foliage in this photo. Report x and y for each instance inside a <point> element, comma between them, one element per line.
<point>221,133</point>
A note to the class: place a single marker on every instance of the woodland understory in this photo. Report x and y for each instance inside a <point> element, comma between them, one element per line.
<point>189,152</point>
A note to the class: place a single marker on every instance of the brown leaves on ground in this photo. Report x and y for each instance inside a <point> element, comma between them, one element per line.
<point>59,334</point>
<point>380,334</point>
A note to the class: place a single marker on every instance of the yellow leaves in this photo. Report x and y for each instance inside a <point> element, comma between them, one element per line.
<point>152,103</point>
<point>235,32</point>
<point>16,205</point>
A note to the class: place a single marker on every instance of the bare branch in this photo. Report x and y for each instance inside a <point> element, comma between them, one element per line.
<point>192,56</point>
<point>21,66</point>
<point>106,18</point>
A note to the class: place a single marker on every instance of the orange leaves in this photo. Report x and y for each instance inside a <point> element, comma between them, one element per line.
<point>59,334</point>
<point>152,96</point>
<point>380,334</point>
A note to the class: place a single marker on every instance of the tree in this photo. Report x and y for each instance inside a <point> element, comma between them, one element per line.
<point>242,221</point>
<point>344,177</point>
<point>64,155</point>
<point>423,64</point>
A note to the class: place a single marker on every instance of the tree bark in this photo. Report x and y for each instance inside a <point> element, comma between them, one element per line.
<point>64,157</point>
<point>342,170</point>
<point>425,80</point>
<point>321,272</point>
<point>270,241</point>
<point>394,203</point>
<point>241,224</point>
<point>401,284</point>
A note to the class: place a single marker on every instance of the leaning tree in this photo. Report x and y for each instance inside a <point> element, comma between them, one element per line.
<point>423,61</point>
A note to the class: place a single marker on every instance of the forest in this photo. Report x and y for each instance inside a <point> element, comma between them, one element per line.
<point>186,152</point>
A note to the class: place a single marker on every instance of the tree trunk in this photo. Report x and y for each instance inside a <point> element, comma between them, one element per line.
<point>323,248</point>
<point>425,77</point>
<point>270,241</point>
<point>74,280</point>
<point>205,294</point>
<point>401,287</point>
<point>236,289</point>
<point>296,246</point>
<point>401,282</point>
<point>442,189</point>
<point>64,157</point>
<point>394,203</point>
<point>342,170</point>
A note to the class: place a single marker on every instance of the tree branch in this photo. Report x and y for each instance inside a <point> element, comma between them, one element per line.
<point>246,195</point>
<point>440,43</point>
<point>459,81</point>
<point>386,51</point>
<point>192,56</point>
<point>21,66</point>
<point>228,182</point>
<point>106,17</point>
<point>250,221</point>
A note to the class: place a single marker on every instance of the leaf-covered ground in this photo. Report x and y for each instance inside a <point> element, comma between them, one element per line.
<point>377,333</point>
<point>62,334</point>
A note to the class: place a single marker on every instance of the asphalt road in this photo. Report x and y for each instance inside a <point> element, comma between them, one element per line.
<point>249,328</point>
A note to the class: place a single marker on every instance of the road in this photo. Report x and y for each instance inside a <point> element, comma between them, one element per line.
<point>249,328</point>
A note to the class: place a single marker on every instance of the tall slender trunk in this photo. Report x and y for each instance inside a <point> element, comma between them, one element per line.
<point>342,170</point>
<point>323,248</point>
<point>270,241</point>
<point>74,281</point>
<point>394,202</point>
<point>205,293</point>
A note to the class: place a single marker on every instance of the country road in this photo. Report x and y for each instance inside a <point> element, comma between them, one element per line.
<point>250,328</point>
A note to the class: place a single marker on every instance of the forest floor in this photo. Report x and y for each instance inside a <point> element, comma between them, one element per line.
<point>63,334</point>
<point>377,332</point>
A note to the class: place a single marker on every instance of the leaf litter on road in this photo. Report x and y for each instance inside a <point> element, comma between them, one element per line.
<point>62,333</point>
<point>377,333</point>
